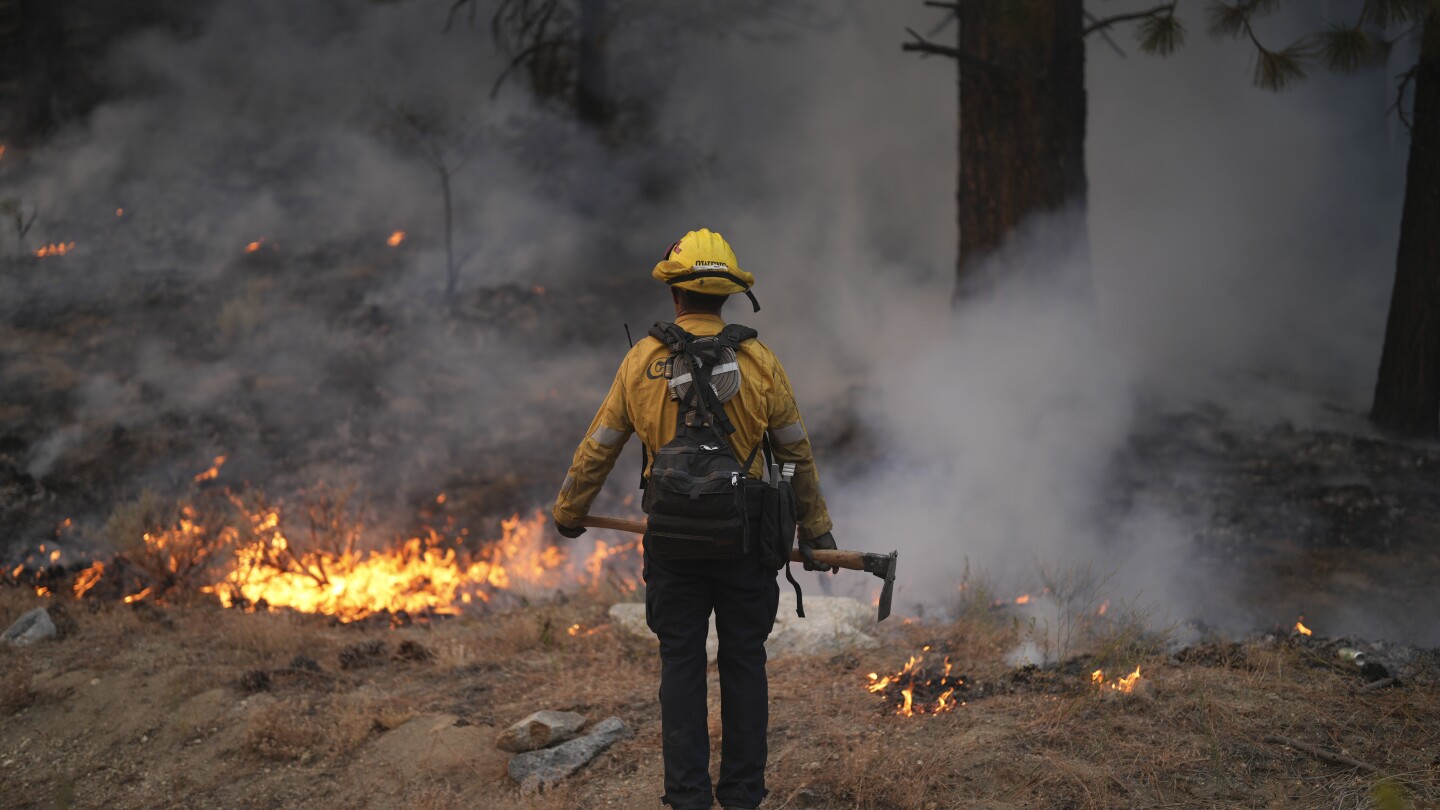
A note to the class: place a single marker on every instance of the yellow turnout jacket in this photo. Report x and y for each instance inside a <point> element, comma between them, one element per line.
<point>639,402</point>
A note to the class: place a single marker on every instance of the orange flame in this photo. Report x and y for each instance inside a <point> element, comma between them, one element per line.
<point>119,212</point>
<point>913,675</point>
<point>1125,685</point>
<point>212,473</point>
<point>1023,599</point>
<point>136,597</point>
<point>254,246</point>
<point>395,239</point>
<point>1104,606</point>
<point>88,579</point>
<point>1301,628</point>
<point>423,574</point>
<point>54,249</point>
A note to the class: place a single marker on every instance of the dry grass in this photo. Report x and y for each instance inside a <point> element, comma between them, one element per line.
<point>1200,742</point>
<point>266,639</point>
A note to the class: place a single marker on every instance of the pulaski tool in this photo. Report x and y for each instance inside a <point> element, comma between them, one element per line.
<point>881,565</point>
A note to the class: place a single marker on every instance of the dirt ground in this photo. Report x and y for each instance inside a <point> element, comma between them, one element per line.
<point>202,707</point>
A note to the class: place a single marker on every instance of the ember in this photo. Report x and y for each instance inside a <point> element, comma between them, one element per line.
<point>395,239</point>
<point>254,246</point>
<point>54,249</point>
<point>916,689</point>
<point>212,473</point>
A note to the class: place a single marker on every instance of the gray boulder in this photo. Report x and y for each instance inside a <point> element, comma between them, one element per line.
<point>541,729</point>
<point>539,769</point>
<point>831,624</point>
<point>32,626</point>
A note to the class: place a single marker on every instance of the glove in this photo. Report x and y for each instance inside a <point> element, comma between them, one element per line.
<point>808,547</point>
<point>571,532</point>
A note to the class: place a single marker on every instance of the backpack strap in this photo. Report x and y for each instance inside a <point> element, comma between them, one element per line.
<point>799,597</point>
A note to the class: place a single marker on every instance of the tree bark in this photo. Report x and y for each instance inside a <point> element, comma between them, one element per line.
<point>1022,132</point>
<point>592,102</point>
<point>1407,392</point>
<point>33,45</point>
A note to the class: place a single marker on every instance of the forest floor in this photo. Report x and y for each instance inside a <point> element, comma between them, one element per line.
<point>145,706</point>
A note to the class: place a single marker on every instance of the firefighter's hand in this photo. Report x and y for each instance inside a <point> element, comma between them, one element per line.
<point>808,547</point>
<point>571,532</point>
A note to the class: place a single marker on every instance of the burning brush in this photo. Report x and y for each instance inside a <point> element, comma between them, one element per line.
<point>918,689</point>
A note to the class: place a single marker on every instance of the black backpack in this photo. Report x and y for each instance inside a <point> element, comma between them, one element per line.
<point>701,502</point>
<point>696,492</point>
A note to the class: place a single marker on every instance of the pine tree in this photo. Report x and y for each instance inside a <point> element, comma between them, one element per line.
<point>1407,388</point>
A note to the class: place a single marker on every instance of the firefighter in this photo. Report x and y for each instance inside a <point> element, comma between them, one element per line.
<point>680,594</point>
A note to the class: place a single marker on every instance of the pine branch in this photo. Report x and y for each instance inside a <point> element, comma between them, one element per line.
<point>1105,35</point>
<point>1274,70</point>
<point>1167,10</point>
<point>924,46</point>
<point>1349,48</point>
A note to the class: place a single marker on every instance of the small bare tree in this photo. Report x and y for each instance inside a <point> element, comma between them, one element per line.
<point>446,149</point>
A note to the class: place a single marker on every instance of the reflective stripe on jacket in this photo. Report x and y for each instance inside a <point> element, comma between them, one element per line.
<point>639,402</point>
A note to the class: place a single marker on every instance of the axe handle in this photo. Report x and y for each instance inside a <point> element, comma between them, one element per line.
<point>853,560</point>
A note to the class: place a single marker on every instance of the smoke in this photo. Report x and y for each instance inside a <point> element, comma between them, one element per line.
<point>1242,254</point>
<point>1242,250</point>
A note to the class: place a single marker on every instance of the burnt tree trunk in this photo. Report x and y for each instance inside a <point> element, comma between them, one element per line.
<point>1022,131</point>
<point>32,41</point>
<point>1407,393</point>
<point>592,102</point>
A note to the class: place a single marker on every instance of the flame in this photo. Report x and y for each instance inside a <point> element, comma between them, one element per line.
<point>440,499</point>
<point>1104,606</point>
<point>136,597</point>
<point>1125,685</point>
<point>119,212</point>
<point>42,591</point>
<point>1301,628</point>
<point>55,555</point>
<point>212,473</point>
<point>88,578</point>
<point>395,239</point>
<point>54,249</point>
<point>423,574</point>
<point>254,246</point>
<point>1022,599</point>
<point>915,677</point>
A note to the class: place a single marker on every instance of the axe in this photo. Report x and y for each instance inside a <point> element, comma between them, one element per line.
<point>881,565</point>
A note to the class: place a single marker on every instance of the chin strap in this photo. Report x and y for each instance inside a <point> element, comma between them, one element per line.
<point>691,276</point>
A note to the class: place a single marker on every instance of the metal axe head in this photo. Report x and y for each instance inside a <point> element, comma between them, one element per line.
<point>883,566</point>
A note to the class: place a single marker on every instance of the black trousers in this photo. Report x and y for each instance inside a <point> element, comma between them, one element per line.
<point>679,596</point>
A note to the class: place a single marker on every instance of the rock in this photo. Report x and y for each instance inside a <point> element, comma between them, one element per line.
<point>831,624</point>
<point>539,730</point>
<point>630,618</point>
<point>32,626</point>
<point>538,769</point>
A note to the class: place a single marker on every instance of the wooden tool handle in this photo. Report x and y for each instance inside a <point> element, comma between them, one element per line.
<point>853,560</point>
<point>618,524</point>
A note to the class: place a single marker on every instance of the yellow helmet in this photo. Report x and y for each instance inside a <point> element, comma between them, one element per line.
<point>703,262</point>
